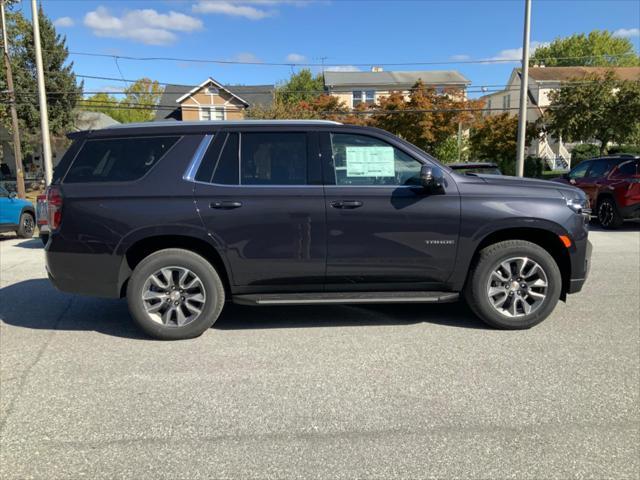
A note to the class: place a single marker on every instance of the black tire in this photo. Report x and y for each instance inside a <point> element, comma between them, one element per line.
<point>608,214</point>
<point>476,289</point>
<point>27,225</point>
<point>175,257</point>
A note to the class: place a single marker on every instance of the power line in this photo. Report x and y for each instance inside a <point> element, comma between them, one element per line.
<point>312,64</point>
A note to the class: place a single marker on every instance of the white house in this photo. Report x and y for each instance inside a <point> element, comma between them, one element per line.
<point>542,81</point>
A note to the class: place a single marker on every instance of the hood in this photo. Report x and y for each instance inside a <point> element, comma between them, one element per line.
<point>531,183</point>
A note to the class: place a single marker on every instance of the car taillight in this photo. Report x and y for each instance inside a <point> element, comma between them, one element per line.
<point>54,206</point>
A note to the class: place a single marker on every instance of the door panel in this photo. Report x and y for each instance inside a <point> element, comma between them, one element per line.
<point>270,234</point>
<point>391,234</point>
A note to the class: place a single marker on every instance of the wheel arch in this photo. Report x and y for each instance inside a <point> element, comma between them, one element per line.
<point>142,248</point>
<point>546,239</point>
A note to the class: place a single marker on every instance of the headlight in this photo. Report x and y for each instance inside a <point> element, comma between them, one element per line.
<point>578,202</point>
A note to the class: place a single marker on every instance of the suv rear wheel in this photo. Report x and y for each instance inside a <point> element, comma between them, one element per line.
<point>515,284</point>
<point>175,294</point>
<point>27,225</point>
<point>608,214</point>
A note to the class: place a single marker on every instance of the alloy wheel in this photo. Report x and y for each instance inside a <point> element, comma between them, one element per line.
<point>605,214</point>
<point>517,287</point>
<point>173,296</point>
<point>28,225</point>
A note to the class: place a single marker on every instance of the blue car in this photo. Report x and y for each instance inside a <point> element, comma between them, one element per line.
<point>16,215</point>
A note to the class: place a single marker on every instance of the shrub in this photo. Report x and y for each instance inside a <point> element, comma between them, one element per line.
<point>533,167</point>
<point>582,152</point>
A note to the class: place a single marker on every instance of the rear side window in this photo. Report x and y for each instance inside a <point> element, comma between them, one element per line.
<point>274,159</point>
<point>227,168</point>
<point>627,169</point>
<point>117,159</point>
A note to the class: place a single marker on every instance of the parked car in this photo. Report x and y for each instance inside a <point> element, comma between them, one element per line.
<point>487,168</point>
<point>16,215</point>
<point>41,218</point>
<point>179,217</point>
<point>612,184</point>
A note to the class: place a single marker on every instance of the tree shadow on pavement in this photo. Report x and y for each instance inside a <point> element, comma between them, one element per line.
<point>36,304</point>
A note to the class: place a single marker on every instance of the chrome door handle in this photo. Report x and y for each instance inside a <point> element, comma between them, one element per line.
<point>347,204</point>
<point>225,205</point>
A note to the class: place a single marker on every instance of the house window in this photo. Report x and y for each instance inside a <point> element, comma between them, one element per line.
<point>212,113</point>
<point>506,102</point>
<point>368,97</point>
<point>489,105</point>
<point>211,90</point>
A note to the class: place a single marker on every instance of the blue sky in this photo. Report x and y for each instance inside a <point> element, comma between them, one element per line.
<point>344,32</point>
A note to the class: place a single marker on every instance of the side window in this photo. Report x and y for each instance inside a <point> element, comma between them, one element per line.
<point>226,172</point>
<point>627,169</point>
<point>580,171</point>
<point>273,159</point>
<point>599,168</point>
<point>117,159</point>
<point>363,160</point>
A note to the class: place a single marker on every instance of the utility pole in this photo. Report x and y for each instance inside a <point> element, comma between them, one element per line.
<point>524,90</point>
<point>42,97</point>
<point>17,149</point>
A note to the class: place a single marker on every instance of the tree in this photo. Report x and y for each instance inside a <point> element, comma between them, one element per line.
<point>596,49</point>
<point>138,105</point>
<point>60,82</point>
<point>602,108</point>
<point>495,138</point>
<point>301,86</point>
<point>428,118</point>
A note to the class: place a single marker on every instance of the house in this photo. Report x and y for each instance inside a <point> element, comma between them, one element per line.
<point>356,88</point>
<point>542,81</point>
<point>211,101</point>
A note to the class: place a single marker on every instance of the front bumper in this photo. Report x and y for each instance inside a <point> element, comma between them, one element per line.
<point>580,267</point>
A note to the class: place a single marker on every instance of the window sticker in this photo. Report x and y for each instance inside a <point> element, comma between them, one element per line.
<point>370,162</point>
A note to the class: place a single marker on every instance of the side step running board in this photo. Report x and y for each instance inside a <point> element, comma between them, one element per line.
<point>344,297</point>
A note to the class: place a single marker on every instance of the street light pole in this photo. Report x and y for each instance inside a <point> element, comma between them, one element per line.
<point>17,149</point>
<point>524,90</point>
<point>42,97</point>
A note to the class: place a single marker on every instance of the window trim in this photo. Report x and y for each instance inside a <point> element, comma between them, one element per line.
<point>363,97</point>
<point>210,109</point>
<point>193,167</point>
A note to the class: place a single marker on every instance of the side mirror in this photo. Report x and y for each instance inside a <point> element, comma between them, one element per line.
<point>13,195</point>
<point>431,179</point>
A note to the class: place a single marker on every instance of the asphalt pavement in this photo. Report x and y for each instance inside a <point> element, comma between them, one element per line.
<point>382,391</point>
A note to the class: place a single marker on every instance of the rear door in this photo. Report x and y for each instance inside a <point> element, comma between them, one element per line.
<point>260,195</point>
<point>596,177</point>
<point>384,230</point>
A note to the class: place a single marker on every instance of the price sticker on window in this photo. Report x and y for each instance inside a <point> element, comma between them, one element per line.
<point>370,162</point>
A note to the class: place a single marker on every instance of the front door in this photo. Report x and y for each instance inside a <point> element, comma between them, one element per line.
<point>383,230</point>
<point>262,201</point>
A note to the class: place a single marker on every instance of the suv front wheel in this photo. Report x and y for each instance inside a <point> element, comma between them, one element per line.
<point>175,294</point>
<point>514,284</point>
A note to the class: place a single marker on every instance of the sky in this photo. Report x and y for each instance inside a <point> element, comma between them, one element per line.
<point>342,34</point>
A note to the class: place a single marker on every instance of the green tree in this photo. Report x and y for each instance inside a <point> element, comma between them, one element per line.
<point>596,49</point>
<point>494,138</point>
<point>602,108</point>
<point>138,105</point>
<point>63,92</point>
<point>302,86</point>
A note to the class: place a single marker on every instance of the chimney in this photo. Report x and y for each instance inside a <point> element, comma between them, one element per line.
<point>376,68</point>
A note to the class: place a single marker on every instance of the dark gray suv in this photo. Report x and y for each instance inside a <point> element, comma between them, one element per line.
<point>181,217</point>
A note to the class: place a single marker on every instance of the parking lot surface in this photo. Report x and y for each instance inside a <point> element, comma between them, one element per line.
<point>381,391</point>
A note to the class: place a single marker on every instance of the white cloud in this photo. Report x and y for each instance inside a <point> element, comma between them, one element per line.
<point>516,53</point>
<point>146,26</point>
<point>63,22</point>
<point>627,32</point>
<point>251,9</point>
<point>342,68</point>
<point>246,57</point>
<point>460,58</point>
<point>231,8</point>
<point>295,58</point>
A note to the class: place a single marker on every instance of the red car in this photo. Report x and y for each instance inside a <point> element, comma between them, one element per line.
<point>612,184</point>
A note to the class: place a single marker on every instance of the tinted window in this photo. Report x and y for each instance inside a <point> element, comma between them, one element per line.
<point>210,158</point>
<point>599,168</point>
<point>274,159</point>
<point>580,171</point>
<point>227,168</point>
<point>118,159</point>
<point>363,160</point>
<point>626,169</point>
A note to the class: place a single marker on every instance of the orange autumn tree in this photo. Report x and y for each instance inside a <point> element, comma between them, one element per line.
<point>427,118</point>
